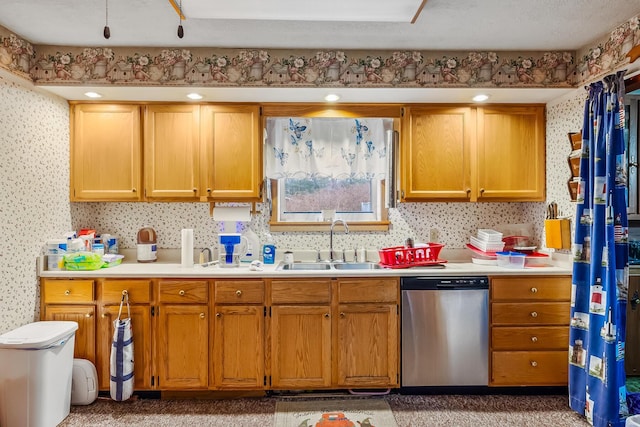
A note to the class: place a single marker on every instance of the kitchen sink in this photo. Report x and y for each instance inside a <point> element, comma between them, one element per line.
<point>356,266</point>
<point>305,266</point>
<point>329,266</point>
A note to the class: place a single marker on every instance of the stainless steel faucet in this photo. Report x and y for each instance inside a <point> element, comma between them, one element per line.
<point>209,257</point>
<point>346,231</point>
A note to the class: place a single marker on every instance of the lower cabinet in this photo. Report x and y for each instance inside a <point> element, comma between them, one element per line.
<point>72,300</point>
<point>529,330</point>
<point>182,335</point>
<point>238,335</point>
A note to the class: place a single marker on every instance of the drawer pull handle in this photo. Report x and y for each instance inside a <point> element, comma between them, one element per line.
<point>534,363</point>
<point>534,339</point>
<point>239,293</point>
<point>534,314</point>
<point>67,292</point>
<point>534,290</point>
<point>181,292</point>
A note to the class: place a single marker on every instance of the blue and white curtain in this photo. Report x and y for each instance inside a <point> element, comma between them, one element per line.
<point>339,148</point>
<point>600,270</point>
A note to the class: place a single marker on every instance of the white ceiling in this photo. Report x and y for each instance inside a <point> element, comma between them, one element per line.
<point>514,25</point>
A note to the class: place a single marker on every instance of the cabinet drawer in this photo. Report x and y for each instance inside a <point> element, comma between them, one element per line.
<point>534,313</point>
<point>139,291</point>
<point>516,368</point>
<point>239,291</point>
<point>183,291</point>
<point>368,290</point>
<point>530,338</point>
<point>531,288</point>
<point>67,291</point>
<point>300,291</point>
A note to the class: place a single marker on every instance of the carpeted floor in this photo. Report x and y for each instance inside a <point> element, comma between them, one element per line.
<point>409,411</point>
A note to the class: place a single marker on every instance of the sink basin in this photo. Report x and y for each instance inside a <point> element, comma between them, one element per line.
<point>305,266</point>
<point>357,266</point>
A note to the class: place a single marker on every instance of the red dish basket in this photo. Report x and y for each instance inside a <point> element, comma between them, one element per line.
<point>400,256</point>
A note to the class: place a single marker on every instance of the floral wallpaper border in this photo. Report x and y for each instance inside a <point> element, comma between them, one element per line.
<point>305,68</point>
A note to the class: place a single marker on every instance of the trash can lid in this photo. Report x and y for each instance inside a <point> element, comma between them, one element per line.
<point>38,334</point>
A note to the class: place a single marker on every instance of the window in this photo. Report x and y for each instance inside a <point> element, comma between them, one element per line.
<point>326,168</point>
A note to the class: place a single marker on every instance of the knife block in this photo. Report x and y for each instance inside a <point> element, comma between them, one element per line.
<point>557,233</point>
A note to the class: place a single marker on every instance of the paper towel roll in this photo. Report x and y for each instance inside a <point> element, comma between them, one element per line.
<point>187,247</point>
<point>232,213</point>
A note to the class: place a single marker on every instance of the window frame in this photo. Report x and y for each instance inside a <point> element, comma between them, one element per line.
<point>391,111</point>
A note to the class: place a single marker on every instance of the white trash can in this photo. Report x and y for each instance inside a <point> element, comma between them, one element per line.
<point>35,379</point>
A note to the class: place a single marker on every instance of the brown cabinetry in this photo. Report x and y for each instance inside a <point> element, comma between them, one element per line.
<point>457,153</point>
<point>367,347</point>
<point>182,334</point>
<point>72,300</point>
<point>110,293</point>
<point>105,152</point>
<point>529,319</point>
<point>238,344</point>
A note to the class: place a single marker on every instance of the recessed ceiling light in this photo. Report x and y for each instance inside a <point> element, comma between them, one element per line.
<point>332,97</point>
<point>92,95</point>
<point>480,98</point>
<point>194,96</point>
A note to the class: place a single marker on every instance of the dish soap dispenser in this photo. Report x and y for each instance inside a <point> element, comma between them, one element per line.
<point>253,246</point>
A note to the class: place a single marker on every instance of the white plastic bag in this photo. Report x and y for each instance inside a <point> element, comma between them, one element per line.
<point>121,384</point>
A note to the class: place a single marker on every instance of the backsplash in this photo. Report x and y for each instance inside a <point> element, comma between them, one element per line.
<point>34,185</point>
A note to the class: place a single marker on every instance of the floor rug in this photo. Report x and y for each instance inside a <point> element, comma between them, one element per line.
<point>367,412</point>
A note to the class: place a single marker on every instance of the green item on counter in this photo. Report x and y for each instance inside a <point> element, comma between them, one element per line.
<point>82,261</point>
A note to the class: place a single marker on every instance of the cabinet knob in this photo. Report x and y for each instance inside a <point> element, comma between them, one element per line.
<point>342,314</point>
<point>482,191</point>
<point>534,363</point>
<point>208,190</point>
<point>133,190</point>
<point>88,315</point>
<point>534,314</point>
<point>181,293</point>
<point>239,293</point>
<point>534,290</point>
<point>195,190</point>
<point>125,292</point>
<point>67,292</point>
<point>218,315</point>
<point>202,315</point>
<point>468,191</point>
<point>326,315</point>
<point>534,339</point>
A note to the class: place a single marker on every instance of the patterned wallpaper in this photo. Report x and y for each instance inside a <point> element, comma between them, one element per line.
<point>34,189</point>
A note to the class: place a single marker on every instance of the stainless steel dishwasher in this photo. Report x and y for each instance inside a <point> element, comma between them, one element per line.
<point>445,330</point>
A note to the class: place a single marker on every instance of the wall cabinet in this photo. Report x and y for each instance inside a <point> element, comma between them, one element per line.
<point>105,152</point>
<point>529,319</point>
<point>191,152</point>
<point>457,153</point>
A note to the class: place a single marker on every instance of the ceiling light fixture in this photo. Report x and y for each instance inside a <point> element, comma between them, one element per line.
<point>92,95</point>
<point>194,96</point>
<point>480,98</point>
<point>106,32</point>
<point>180,29</point>
<point>332,97</point>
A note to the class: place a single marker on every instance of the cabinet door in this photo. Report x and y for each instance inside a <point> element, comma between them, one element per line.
<point>300,347</point>
<point>84,315</point>
<point>182,346</point>
<point>231,152</point>
<point>141,324</point>
<point>368,346</point>
<point>105,152</point>
<point>511,153</point>
<point>238,345</point>
<point>436,153</point>
<point>171,152</point>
